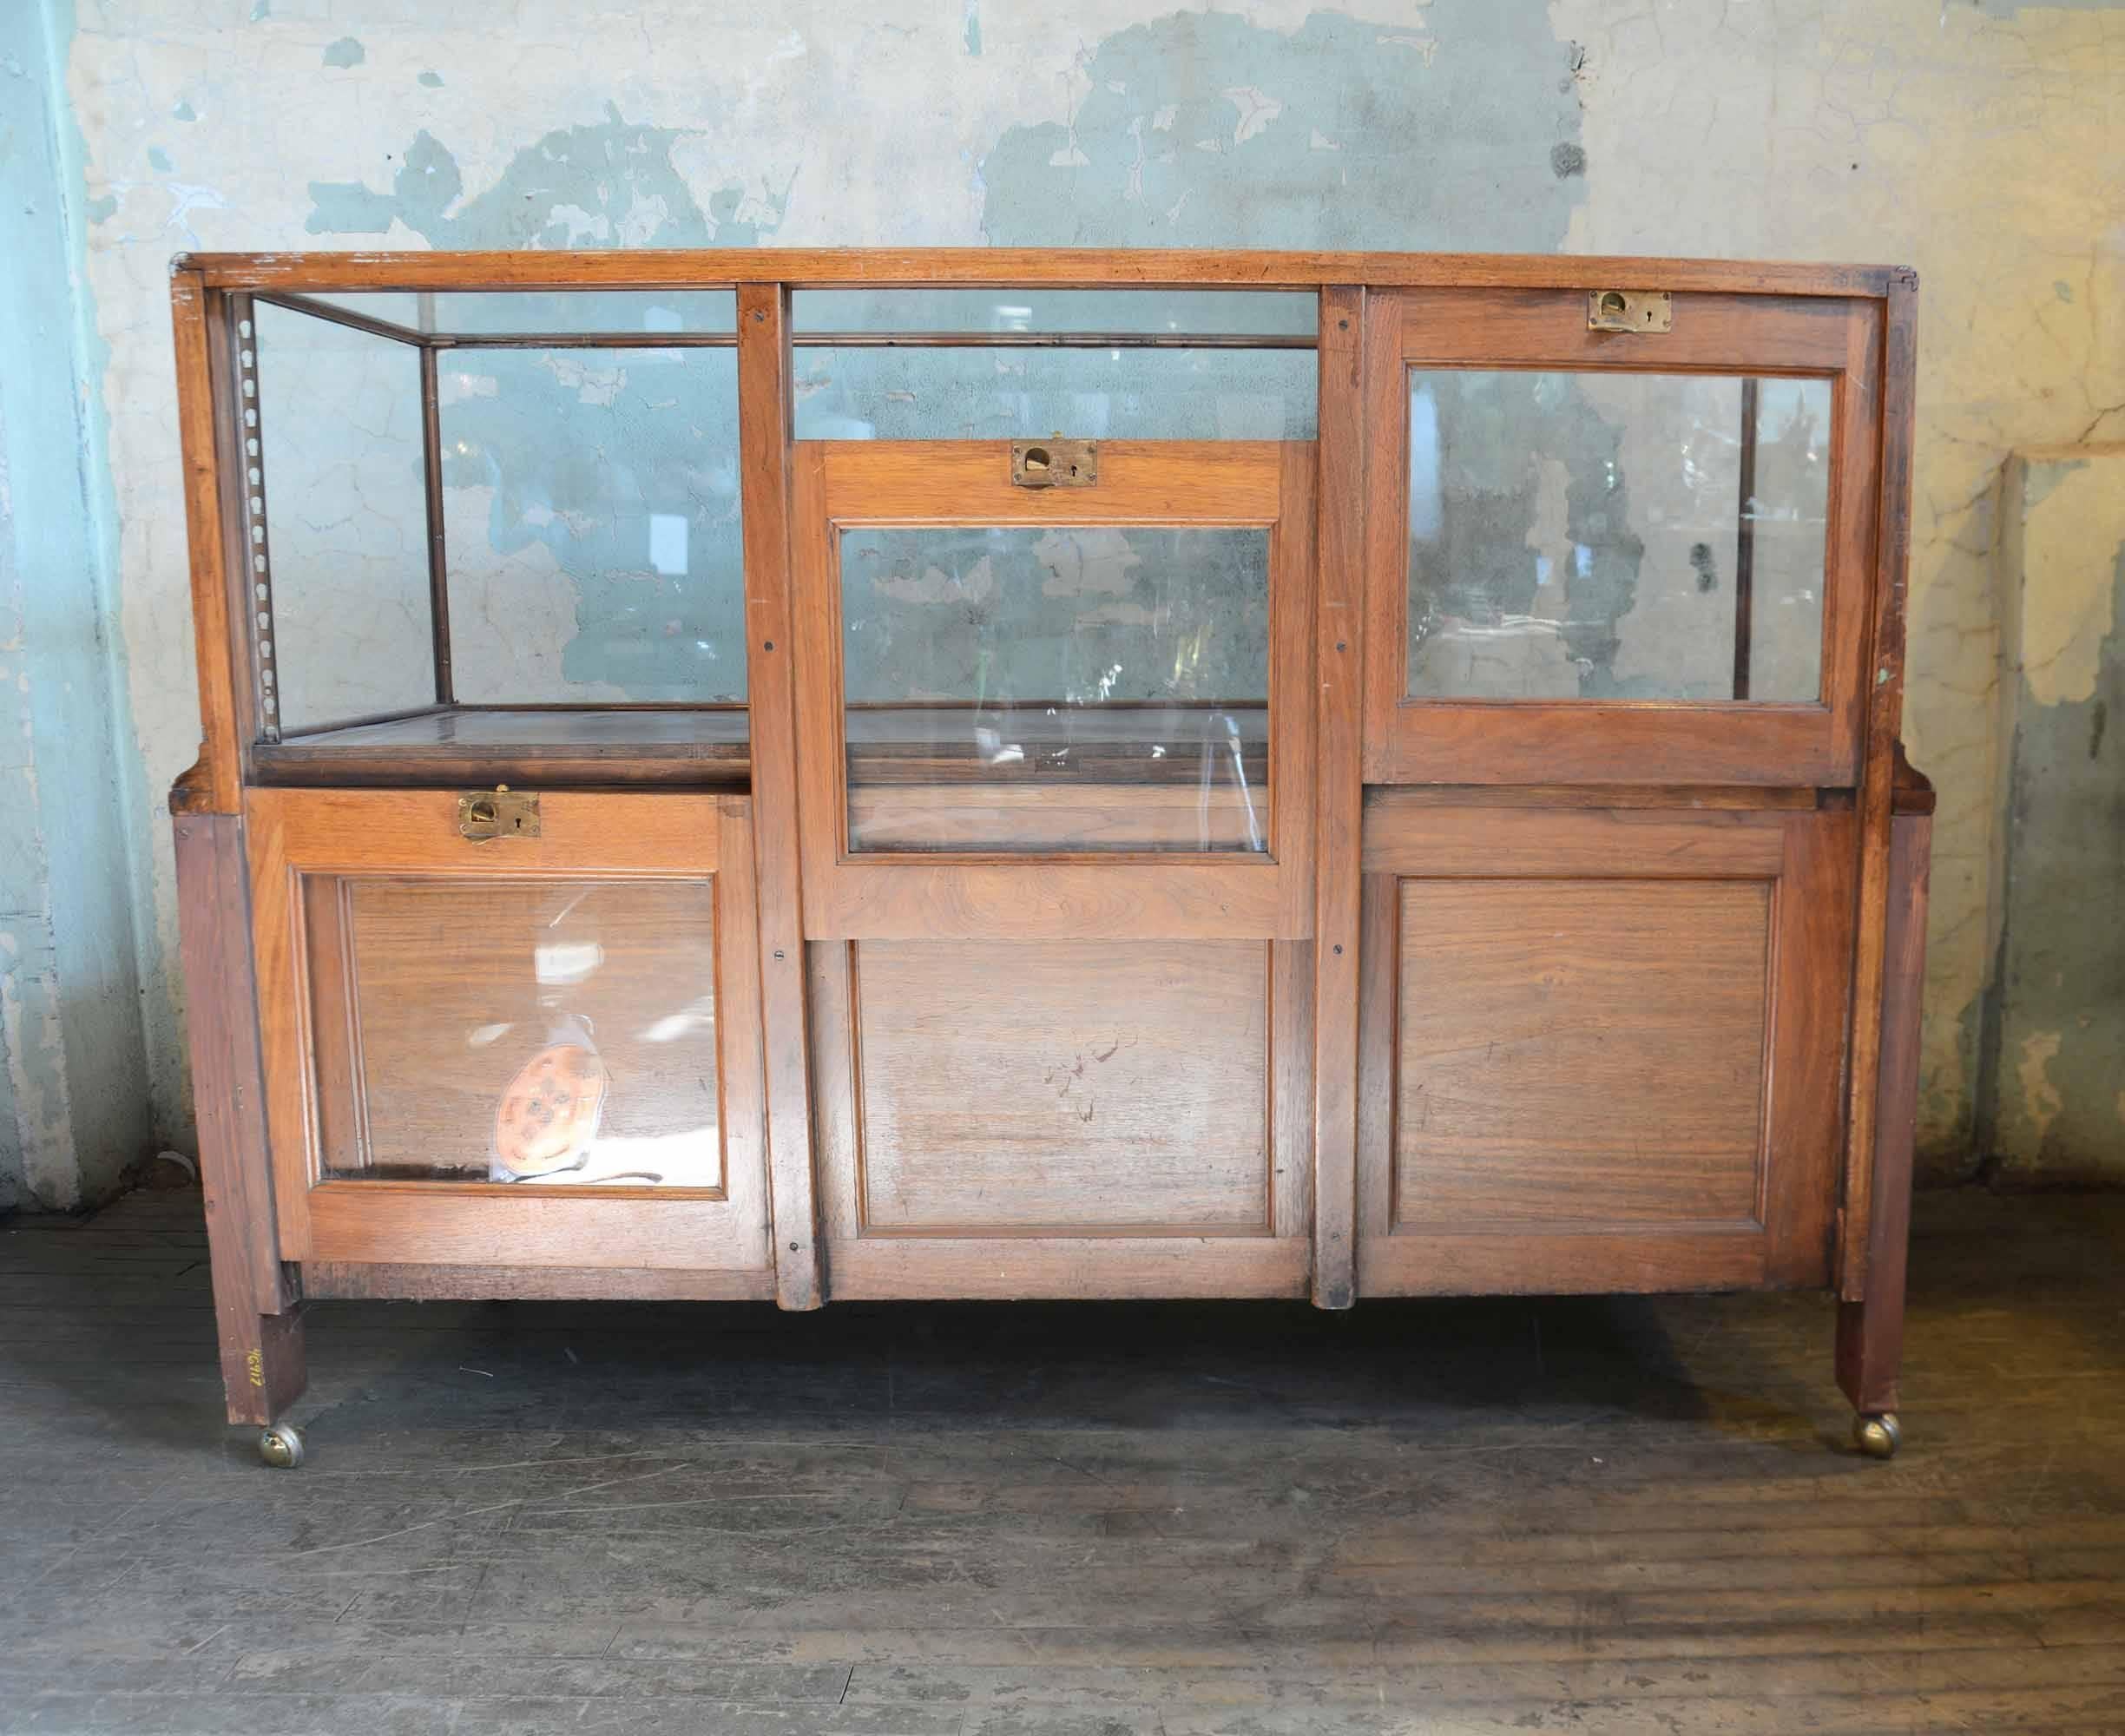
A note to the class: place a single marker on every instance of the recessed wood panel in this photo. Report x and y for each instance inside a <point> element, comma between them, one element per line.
<point>1068,1086</point>
<point>1580,1053</point>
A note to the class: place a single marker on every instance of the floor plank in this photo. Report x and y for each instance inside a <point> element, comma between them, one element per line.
<point>1090,1520</point>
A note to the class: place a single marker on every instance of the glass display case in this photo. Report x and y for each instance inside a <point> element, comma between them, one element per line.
<point>799,775</point>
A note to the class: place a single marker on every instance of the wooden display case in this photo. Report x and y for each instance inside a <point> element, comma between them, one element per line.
<point>1005,773</point>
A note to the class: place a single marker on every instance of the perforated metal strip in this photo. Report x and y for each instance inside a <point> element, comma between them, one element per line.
<point>259,555</point>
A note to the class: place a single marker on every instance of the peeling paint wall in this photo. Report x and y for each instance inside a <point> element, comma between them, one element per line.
<point>1984,143</point>
<point>2052,1084</point>
<point>74,862</point>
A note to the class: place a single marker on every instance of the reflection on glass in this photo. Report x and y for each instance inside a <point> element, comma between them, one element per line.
<point>1006,394</point>
<point>1196,312</point>
<point>339,429</point>
<point>1057,689</point>
<point>540,312</point>
<point>591,520</point>
<point>1054,381</point>
<point>533,1032</point>
<point>1615,537</point>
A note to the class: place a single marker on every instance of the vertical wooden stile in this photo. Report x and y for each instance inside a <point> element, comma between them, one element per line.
<point>1885,704</point>
<point>764,440</point>
<point>1338,790</point>
<point>214,784</point>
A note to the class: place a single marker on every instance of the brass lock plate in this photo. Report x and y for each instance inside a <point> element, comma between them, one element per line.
<point>1630,310</point>
<point>1055,464</point>
<point>483,815</point>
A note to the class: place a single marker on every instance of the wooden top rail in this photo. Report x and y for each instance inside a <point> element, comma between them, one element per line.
<point>1012,267</point>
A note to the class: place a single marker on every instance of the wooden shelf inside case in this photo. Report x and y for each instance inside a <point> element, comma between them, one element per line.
<point>682,748</point>
<point>686,747</point>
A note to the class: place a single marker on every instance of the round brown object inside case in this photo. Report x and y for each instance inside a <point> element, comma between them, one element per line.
<point>549,1113</point>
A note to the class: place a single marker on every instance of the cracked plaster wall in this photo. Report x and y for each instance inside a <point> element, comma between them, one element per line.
<point>2051,1102</point>
<point>74,1104</point>
<point>1982,144</point>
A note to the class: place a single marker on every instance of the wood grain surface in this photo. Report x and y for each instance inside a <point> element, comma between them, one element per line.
<point>1585,1052</point>
<point>1074,1086</point>
<point>1009,268</point>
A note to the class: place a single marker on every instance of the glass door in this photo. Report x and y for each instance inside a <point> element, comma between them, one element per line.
<point>1054,737</point>
<point>513,1030</point>
<point>1618,557</point>
<point>1069,711</point>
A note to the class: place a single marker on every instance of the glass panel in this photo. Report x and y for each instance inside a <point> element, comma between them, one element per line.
<point>1224,312</point>
<point>1057,689</point>
<point>591,522</point>
<point>339,431</point>
<point>846,393</point>
<point>1616,537</point>
<point>540,313</point>
<point>1061,379</point>
<point>536,1032</point>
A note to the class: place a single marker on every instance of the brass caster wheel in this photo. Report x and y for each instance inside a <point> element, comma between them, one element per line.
<point>280,1447</point>
<point>1877,1436</point>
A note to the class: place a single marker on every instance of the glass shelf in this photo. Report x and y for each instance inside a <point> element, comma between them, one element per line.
<point>1113,743</point>
<point>479,746</point>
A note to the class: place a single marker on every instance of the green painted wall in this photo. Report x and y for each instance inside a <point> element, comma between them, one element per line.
<point>74,1095</point>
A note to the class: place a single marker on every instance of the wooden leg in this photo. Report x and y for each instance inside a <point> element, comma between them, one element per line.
<point>256,1310</point>
<point>1870,1339</point>
<point>263,1371</point>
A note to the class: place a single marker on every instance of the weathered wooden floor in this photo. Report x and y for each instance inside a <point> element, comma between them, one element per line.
<point>1068,1521</point>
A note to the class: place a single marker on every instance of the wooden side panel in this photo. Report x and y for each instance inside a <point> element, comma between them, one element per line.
<point>257,1318</point>
<point>1580,1052</point>
<point>1601,1050</point>
<point>1070,1087</point>
<point>1809,1045</point>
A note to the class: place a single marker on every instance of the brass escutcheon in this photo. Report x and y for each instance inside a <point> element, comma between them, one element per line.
<point>1055,462</point>
<point>1630,310</point>
<point>483,815</point>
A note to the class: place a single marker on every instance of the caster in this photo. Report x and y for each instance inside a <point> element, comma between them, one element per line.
<point>280,1446</point>
<point>1877,1436</point>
